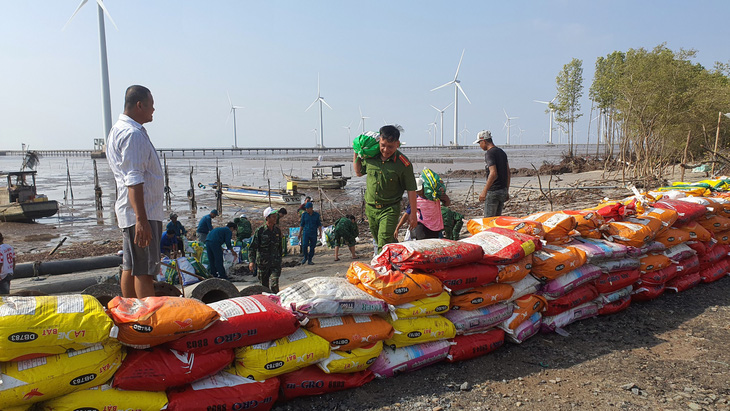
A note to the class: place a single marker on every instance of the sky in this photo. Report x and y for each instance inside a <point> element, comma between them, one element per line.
<point>383,57</point>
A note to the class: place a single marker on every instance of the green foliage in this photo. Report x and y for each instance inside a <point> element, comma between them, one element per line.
<point>570,90</point>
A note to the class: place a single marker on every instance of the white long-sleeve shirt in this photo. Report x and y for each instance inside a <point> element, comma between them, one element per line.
<point>134,160</point>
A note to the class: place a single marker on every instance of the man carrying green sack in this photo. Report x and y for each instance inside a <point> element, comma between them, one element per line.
<point>433,186</point>
<point>453,222</point>
<point>388,174</point>
<point>366,145</point>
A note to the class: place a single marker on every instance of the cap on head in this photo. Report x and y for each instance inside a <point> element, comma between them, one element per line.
<point>173,215</point>
<point>242,216</point>
<point>269,211</point>
<point>419,183</point>
<point>309,205</point>
<point>483,135</point>
<point>214,211</point>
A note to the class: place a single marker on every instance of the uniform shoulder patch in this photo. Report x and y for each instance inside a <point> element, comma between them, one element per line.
<point>403,159</point>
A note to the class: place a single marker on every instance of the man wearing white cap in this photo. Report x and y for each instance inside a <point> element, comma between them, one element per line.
<point>496,191</point>
<point>264,253</point>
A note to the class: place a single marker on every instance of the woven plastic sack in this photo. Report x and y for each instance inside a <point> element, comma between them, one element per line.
<point>629,233</point>
<point>366,146</point>
<point>356,360</point>
<point>666,216</point>
<point>329,297</point>
<point>150,321</point>
<point>224,391</point>
<point>392,286</point>
<point>501,246</point>
<point>393,362</point>
<point>105,397</point>
<point>29,381</point>
<point>418,330</point>
<point>528,285</point>
<point>350,331</point>
<point>611,211</point>
<point>465,347</point>
<point>515,272</point>
<point>159,368</point>
<point>467,276</point>
<point>437,305</point>
<point>715,272</point>
<point>713,254</point>
<point>578,296</point>
<point>723,237</point>
<point>715,224</point>
<point>617,295</point>
<point>653,262</point>
<point>481,296</point>
<point>433,187</point>
<point>480,319</point>
<point>611,266</point>
<point>563,284</point>
<point>610,282</point>
<point>689,264</point>
<point>313,381</point>
<point>521,225</point>
<point>527,329</point>
<point>654,224</point>
<point>587,222</point>
<point>556,323</point>
<point>696,231</point>
<point>525,307</point>
<point>429,254</point>
<point>684,282</point>
<point>672,236</point>
<point>553,261</point>
<point>595,249</point>
<point>646,292</point>
<point>679,252</point>
<point>265,360</point>
<point>557,226</point>
<point>48,325</point>
<point>615,307</point>
<point>686,211</point>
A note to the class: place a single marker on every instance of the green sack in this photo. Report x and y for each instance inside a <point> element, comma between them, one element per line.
<point>365,145</point>
<point>433,187</point>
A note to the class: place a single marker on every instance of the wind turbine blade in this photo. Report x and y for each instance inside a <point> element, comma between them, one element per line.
<point>450,104</point>
<point>325,103</point>
<point>310,106</point>
<point>103,7</point>
<point>553,99</point>
<point>317,84</point>
<point>229,99</point>
<point>457,67</point>
<point>228,117</point>
<point>237,107</point>
<point>542,102</point>
<point>435,108</point>
<point>74,15</point>
<point>441,86</point>
<point>462,92</point>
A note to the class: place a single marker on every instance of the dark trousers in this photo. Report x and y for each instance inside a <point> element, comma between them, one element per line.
<point>269,277</point>
<point>215,260</point>
<point>308,243</point>
<point>495,202</point>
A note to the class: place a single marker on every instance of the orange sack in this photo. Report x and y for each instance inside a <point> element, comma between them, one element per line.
<point>715,223</point>
<point>151,321</point>
<point>666,216</point>
<point>392,286</point>
<point>672,236</point>
<point>696,232</point>
<point>350,331</point>
<point>512,273</point>
<point>525,306</point>
<point>521,225</point>
<point>481,297</point>
<point>557,226</point>
<point>723,237</point>
<point>629,233</point>
<point>587,222</point>
<point>553,261</point>
<point>653,262</point>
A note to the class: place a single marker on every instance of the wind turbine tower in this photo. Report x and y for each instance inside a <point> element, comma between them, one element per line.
<point>319,99</point>
<point>457,88</point>
<point>105,94</point>
<point>235,128</point>
<point>362,120</point>
<point>441,111</point>
<point>550,114</point>
<point>508,123</point>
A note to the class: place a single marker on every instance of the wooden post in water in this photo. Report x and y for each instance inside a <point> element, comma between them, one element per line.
<point>69,188</point>
<point>684,157</point>
<point>268,182</point>
<point>97,190</point>
<point>218,190</point>
<point>191,193</point>
<point>168,201</point>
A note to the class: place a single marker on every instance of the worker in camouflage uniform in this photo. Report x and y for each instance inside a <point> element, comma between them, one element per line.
<point>346,232</point>
<point>389,174</point>
<point>265,252</point>
<point>453,221</point>
<point>243,227</point>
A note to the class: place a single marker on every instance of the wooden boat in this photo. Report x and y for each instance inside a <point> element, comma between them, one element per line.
<point>260,195</point>
<point>21,201</point>
<point>323,176</point>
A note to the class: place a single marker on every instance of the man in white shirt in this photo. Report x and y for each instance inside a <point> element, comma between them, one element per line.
<point>140,190</point>
<point>7,266</point>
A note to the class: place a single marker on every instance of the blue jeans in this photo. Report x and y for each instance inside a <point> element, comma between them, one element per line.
<point>215,260</point>
<point>308,243</point>
<point>495,202</point>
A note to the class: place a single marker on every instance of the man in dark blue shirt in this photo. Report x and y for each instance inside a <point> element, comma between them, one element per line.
<point>168,241</point>
<point>214,246</point>
<point>205,225</point>
<point>310,230</point>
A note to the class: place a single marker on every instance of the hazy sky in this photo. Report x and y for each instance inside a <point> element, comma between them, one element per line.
<point>383,56</point>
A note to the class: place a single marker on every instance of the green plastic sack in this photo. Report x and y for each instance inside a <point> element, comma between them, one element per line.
<point>365,145</point>
<point>433,186</point>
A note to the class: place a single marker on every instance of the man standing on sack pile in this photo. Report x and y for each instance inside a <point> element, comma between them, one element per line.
<point>140,191</point>
<point>496,191</point>
<point>205,225</point>
<point>389,174</point>
<point>265,252</point>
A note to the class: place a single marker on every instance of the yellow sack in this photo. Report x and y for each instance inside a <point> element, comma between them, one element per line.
<point>51,325</point>
<point>423,307</point>
<point>104,397</point>
<point>417,330</point>
<point>269,359</point>
<point>355,360</point>
<point>28,381</point>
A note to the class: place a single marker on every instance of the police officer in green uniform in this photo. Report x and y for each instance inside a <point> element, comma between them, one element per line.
<point>265,252</point>
<point>389,174</point>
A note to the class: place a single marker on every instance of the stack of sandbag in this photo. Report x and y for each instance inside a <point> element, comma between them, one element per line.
<point>54,345</point>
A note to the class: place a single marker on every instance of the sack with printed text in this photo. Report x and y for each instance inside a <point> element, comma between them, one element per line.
<point>557,226</point>
<point>465,347</point>
<point>104,397</point>
<point>329,297</point>
<point>502,246</point>
<point>313,381</point>
<point>394,287</point>
<point>429,254</point>
<point>350,331</point>
<point>224,391</point>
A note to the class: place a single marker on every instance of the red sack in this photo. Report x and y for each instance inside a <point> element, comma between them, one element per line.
<point>699,246</point>
<point>714,273</point>
<point>465,347</point>
<point>684,282</point>
<point>159,368</point>
<point>611,211</point>
<point>687,265</point>
<point>715,254</point>
<point>659,276</point>
<point>574,298</point>
<point>503,246</point>
<point>224,391</point>
<point>610,282</point>
<point>430,254</point>
<point>686,211</point>
<point>244,321</point>
<point>616,306</point>
<point>647,292</point>
<point>467,276</point>
<point>313,381</point>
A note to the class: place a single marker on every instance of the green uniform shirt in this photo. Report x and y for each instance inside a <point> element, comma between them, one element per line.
<point>265,248</point>
<point>387,179</point>
<point>345,228</point>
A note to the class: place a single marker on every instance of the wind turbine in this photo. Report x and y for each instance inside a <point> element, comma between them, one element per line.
<point>508,123</point>
<point>235,128</point>
<point>349,137</point>
<point>442,118</point>
<point>319,99</point>
<point>550,140</point>
<point>521,132</point>
<point>105,94</point>
<point>314,130</point>
<point>457,89</point>
<point>362,120</point>
<point>465,131</point>
<point>434,124</point>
